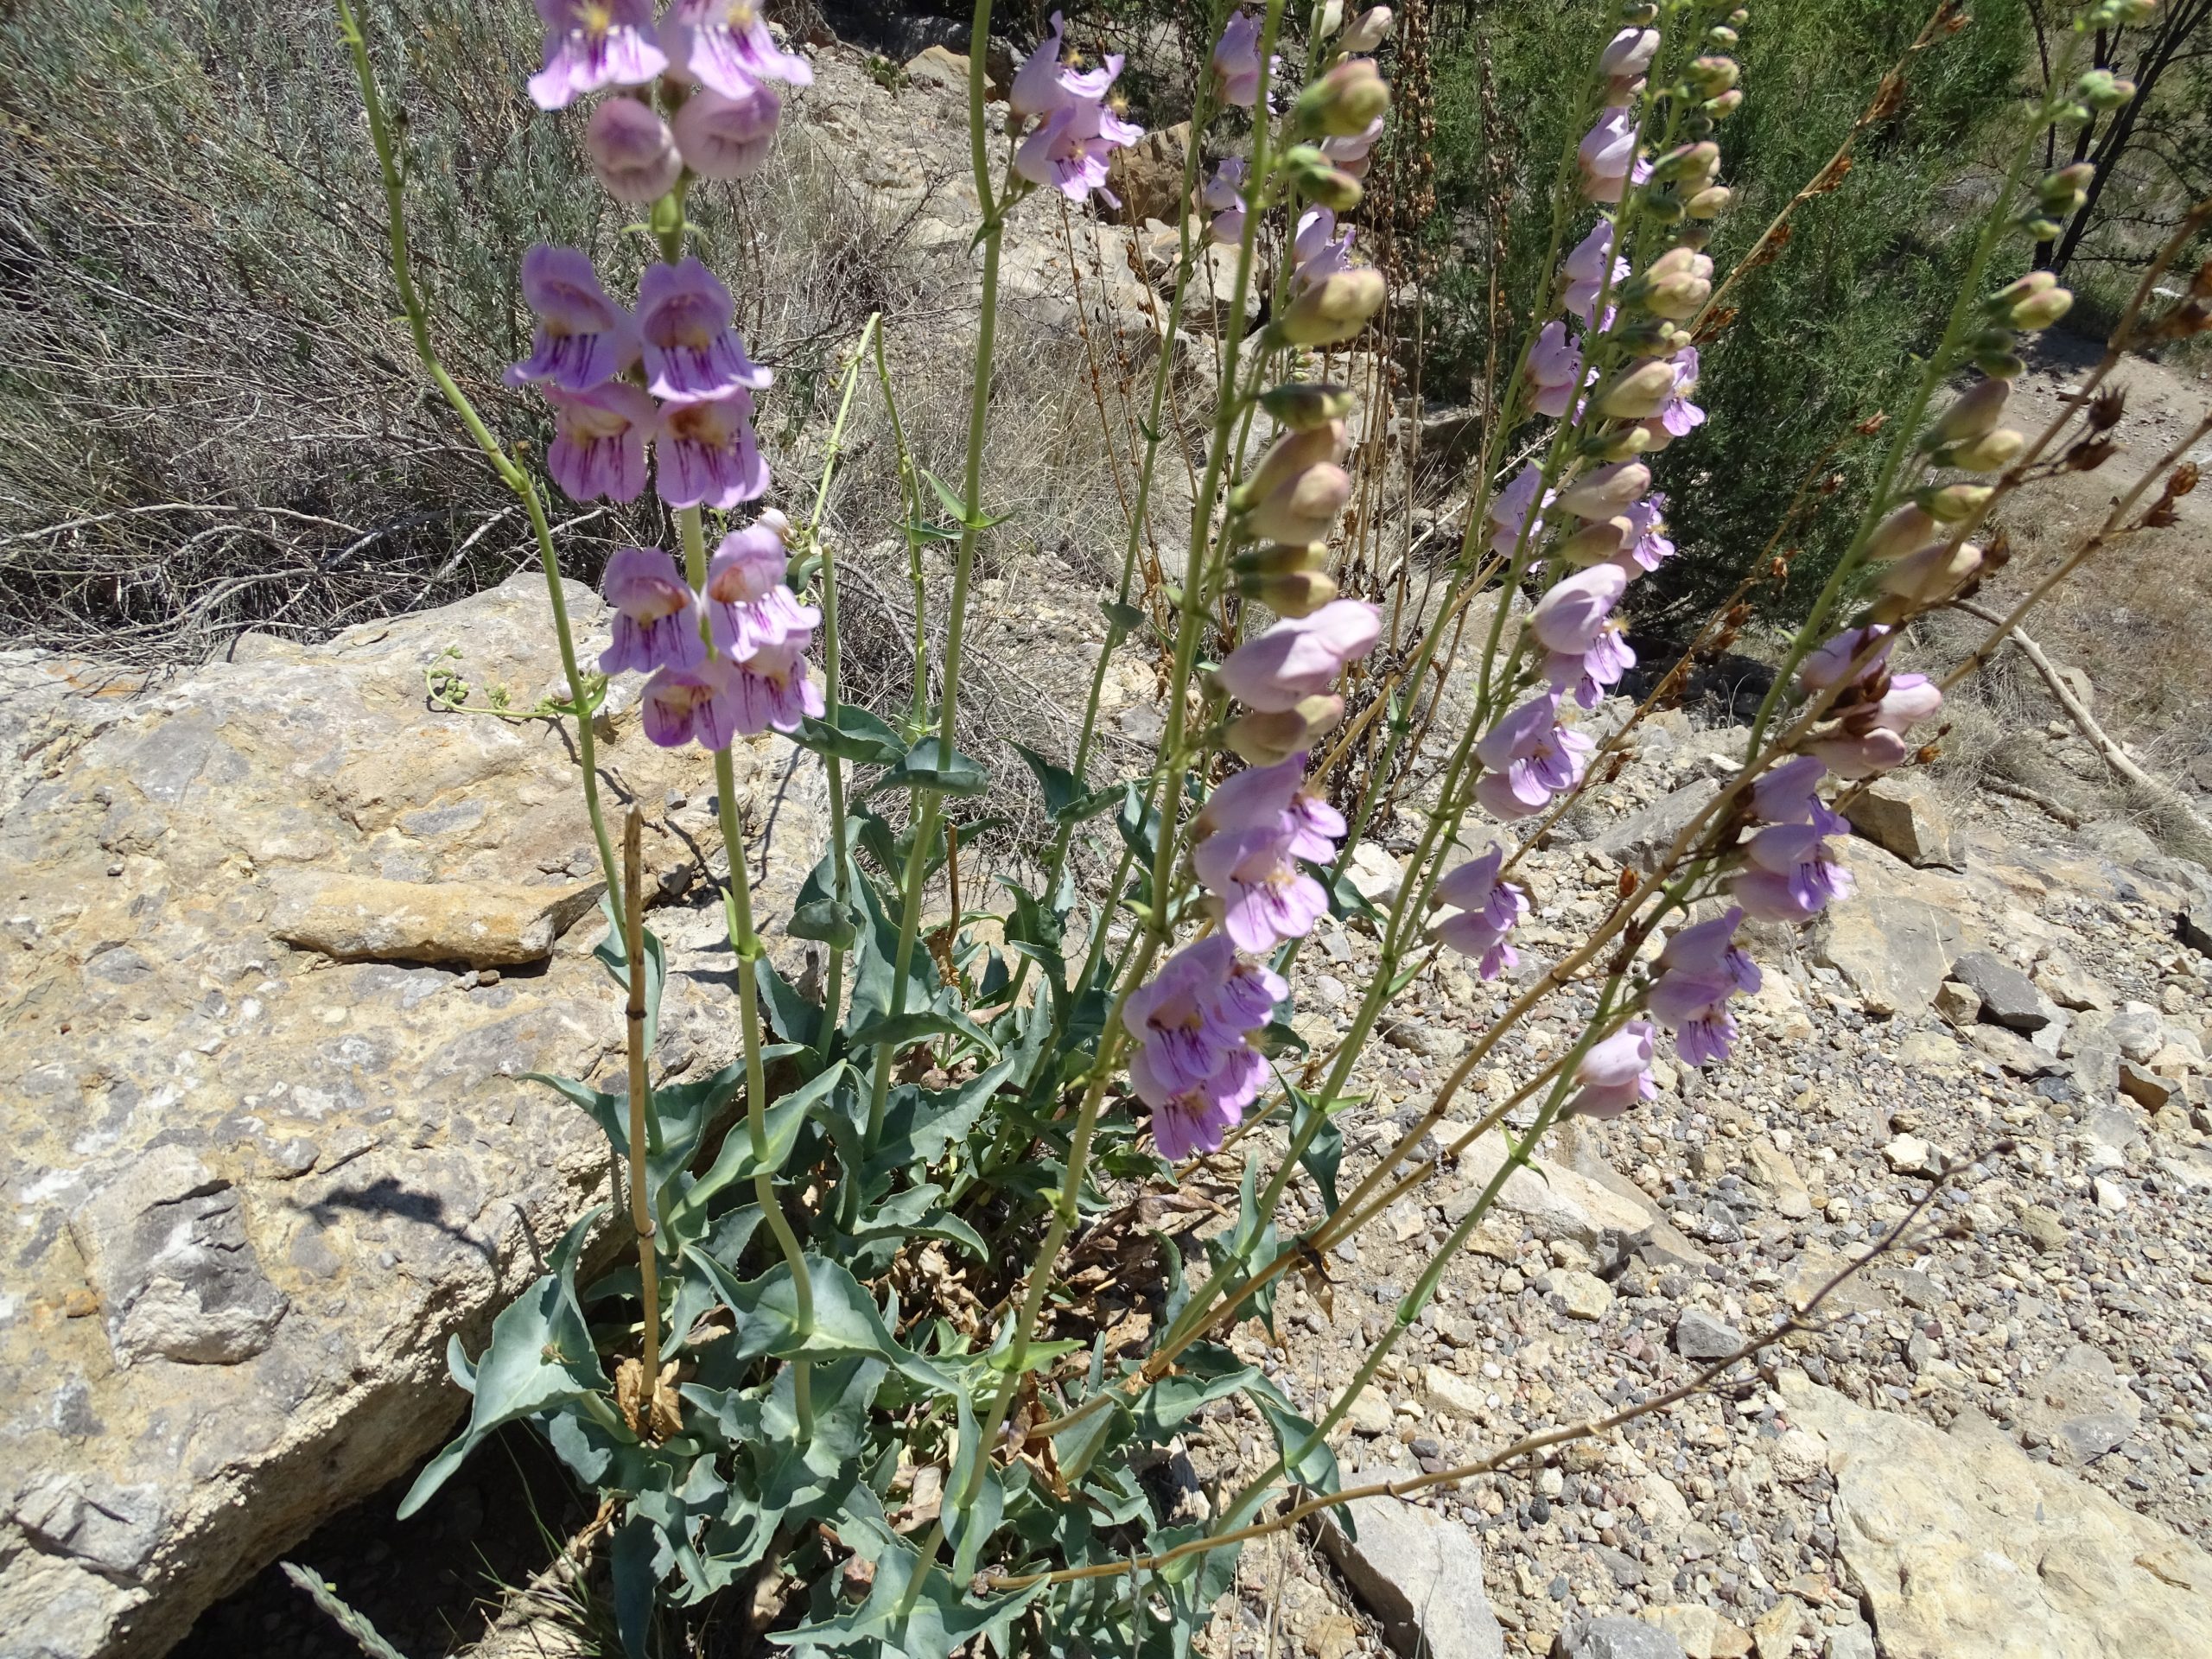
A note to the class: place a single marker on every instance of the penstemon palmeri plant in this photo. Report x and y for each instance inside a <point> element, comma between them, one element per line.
<point>789,1348</point>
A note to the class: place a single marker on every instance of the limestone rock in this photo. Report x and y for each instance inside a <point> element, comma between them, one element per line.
<point>1968,1549</point>
<point>2146,1088</point>
<point>1148,176</point>
<point>940,69</point>
<point>1641,838</point>
<point>1587,1295</point>
<point>1700,1337</point>
<point>365,918</point>
<point>1958,1003</point>
<point>2009,998</point>
<point>1901,814</point>
<point>1617,1638</point>
<point>2081,1405</point>
<point>281,1181</point>
<point>1557,1202</point>
<point>1421,1575</point>
<point>1890,951</point>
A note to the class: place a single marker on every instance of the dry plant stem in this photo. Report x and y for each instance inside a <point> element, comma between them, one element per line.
<point>525,487</point>
<point>641,1206</point>
<point>1801,1320</point>
<point>2007,787</point>
<point>909,496</point>
<point>833,768</point>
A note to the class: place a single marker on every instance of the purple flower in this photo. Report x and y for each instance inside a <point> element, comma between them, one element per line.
<point>1237,59</point>
<point>1607,153</point>
<point>691,351</point>
<point>1572,615</point>
<point>583,339</point>
<point>1588,675</point>
<point>1223,198</point>
<point>1487,909</point>
<point>1701,968</point>
<point>1828,665</point>
<point>1530,757</point>
<point>1509,509</point>
<point>727,137</point>
<point>1263,897</point>
<point>1862,755</point>
<point>1789,875</point>
<point>1616,1074</point>
<point>707,455</point>
<point>725,44</point>
<point>1270,798</point>
<point>1554,370</point>
<point>1182,1026</point>
<point>1299,657</point>
<point>749,609</point>
<point>598,440</point>
<point>1317,252</point>
<point>772,689</point>
<point>1649,548</point>
<point>656,615</point>
<point>1196,1119</point>
<point>1354,152</point>
<point>1248,996</point>
<point>1910,699</point>
<point>680,704</point>
<point>594,43</point>
<point>1628,53</point>
<point>631,150</point>
<point>1587,271</point>
<point>1037,89</point>
<point>1709,950</point>
<point>1790,793</point>
<point>1069,151</point>
<point>1680,418</point>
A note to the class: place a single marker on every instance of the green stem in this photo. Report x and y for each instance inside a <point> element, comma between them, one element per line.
<point>511,475</point>
<point>910,495</point>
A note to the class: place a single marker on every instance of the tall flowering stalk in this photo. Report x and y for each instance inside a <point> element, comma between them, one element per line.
<point>795,1377</point>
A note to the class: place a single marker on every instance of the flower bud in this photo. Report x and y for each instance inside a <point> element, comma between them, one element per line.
<point>1989,453</point>
<point>1288,457</point>
<point>1679,281</point>
<point>1727,104</point>
<point>1608,491</point>
<point>1299,406</point>
<point>2001,362</point>
<point>1333,19</point>
<point>1639,393</point>
<point>1598,543</point>
<point>1294,593</point>
<point>1280,559</point>
<point>1905,532</point>
<point>727,137</point>
<point>1932,574</point>
<point>1953,504</point>
<point>1721,34</point>
<point>1265,740</point>
<point>1628,53</point>
<point>1303,508</point>
<point>1321,179</point>
<point>1623,443</point>
<point>1368,30</point>
<point>1346,100</point>
<point>2059,194</point>
<point>1974,415</point>
<point>2100,89</point>
<point>1709,77</point>
<point>2041,310</point>
<point>1333,310</point>
<point>1710,202</point>
<point>631,150</point>
<point>1692,162</point>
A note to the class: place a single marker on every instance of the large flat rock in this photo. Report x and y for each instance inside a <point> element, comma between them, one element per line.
<point>1969,1549</point>
<point>254,1188</point>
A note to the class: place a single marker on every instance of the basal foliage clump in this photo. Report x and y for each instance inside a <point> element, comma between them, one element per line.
<point>787,1348</point>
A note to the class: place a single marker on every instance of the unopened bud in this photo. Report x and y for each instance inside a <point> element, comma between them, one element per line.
<point>1721,34</point>
<point>1932,574</point>
<point>773,518</point>
<point>1710,202</point>
<point>2036,282</point>
<point>631,150</point>
<point>1299,406</point>
<point>1333,19</point>
<point>2100,89</point>
<point>2062,191</point>
<point>1265,739</point>
<point>1321,180</point>
<point>1709,77</point>
<point>1678,282</point>
<point>1628,53</point>
<point>1286,458</point>
<point>1952,503</point>
<point>1280,559</point>
<point>1294,592</point>
<point>1333,310</point>
<point>1977,411</point>
<point>1727,104</point>
<point>1302,509</point>
<point>1989,453</point>
<point>1368,30</point>
<point>1594,544</point>
<point>1905,533</point>
<point>1608,491</point>
<point>2041,310</point>
<point>1347,100</point>
<point>1640,393</point>
<point>1624,443</point>
<point>2001,362</point>
<point>1692,162</point>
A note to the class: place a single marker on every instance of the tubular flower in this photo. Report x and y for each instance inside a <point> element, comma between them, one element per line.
<point>1910,699</point>
<point>1648,547</point>
<point>1530,757</point>
<point>1860,755</point>
<point>1273,798</point>
<point>1485,910</point>
<point>724,45</point>
<point>1299,657</point>
<point>631,150</point>
<point>1586,272</point>
<point>1789,875</point>
<point>590,44</point>
<point>1332,310</point>
<point>1237,59</point>
<point>1790,793</point>
<point>1262,896</point>
<point>1678,417</point>
<point>707,453</point>
<point>1269,738</point>
<point>656,615</point>
<point>1223,197</point>
<point>1607,155</point>
<point>1354,152</point>
<point>749,607</point>
<point>680,704</point>
<point>1607,491</point>
<point>1368,31</point>
<point>1509,509</point>
<point>582,339</point>
<point>1554,370</point>
<point>725,136</point>
<point>598,440</point>
<point>691,353</point>
<point>1701,968</point>
<point>1679,281</point>
<point>1069,151</point>
<point>1196,1119</point>
<point>1825,665</point>
<point>1587,654</point>
<point>772,689</point>
<point>1193,1064</point>
<point>1628,53</point>
<point>1317,252</point>
<point>1616,1074</point>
